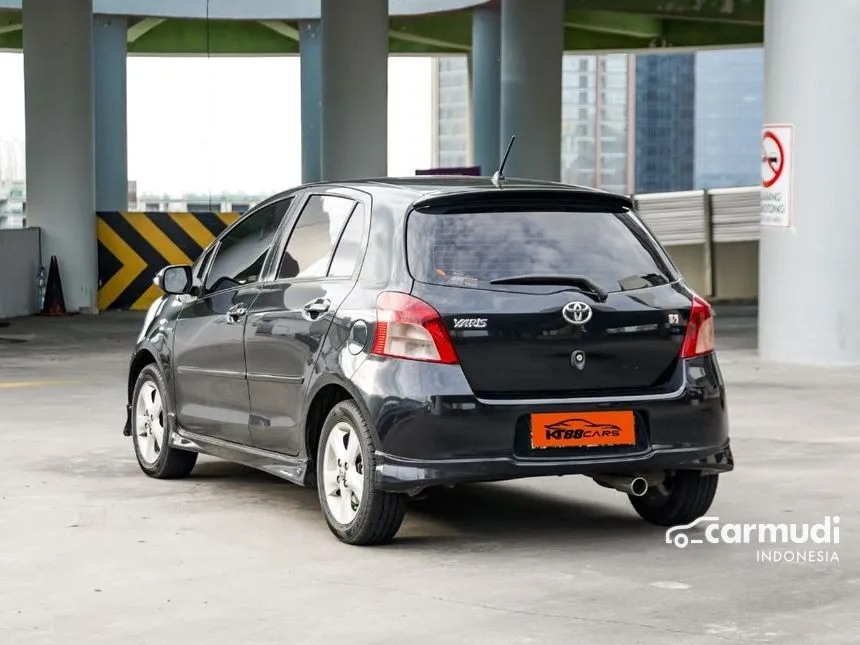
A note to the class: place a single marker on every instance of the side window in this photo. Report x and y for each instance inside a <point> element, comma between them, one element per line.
<point>317,230</point>
<point>349,247</point>
<point>241,253</point>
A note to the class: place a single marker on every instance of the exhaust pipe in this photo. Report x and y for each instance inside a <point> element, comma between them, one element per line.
<point>630,484</point>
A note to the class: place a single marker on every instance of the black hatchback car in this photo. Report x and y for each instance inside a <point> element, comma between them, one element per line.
<point>377,338</point>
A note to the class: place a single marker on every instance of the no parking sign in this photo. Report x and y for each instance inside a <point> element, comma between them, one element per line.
<point>776,175</point>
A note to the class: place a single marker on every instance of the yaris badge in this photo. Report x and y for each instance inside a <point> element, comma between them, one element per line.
<point>576,313</point>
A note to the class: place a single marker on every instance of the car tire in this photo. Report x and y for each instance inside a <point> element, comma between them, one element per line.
<point>682,498</point>
<point>150,429</point>
<point>359,517</point>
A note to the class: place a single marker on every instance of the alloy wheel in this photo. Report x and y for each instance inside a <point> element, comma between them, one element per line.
<point>149,427</point>
<point>343,474</point>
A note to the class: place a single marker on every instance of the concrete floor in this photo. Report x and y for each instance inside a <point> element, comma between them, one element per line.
<point>92,551</point>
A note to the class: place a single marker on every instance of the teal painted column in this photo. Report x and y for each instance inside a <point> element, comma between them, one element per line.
<point>58,108</point>
<point>809,299</point>
<point>486,73</point>
<point>354,89</point>
<point>111,112</point>
<point>532,50</point>
<point>310,48</point>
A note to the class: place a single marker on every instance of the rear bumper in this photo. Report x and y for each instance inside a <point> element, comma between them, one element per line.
<point>394,474</point>
<point>454,437</point>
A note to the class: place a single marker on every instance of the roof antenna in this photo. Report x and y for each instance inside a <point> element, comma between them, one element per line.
<point>499,175</point>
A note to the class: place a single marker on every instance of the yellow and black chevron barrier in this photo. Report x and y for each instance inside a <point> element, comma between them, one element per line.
<point>133,247</point>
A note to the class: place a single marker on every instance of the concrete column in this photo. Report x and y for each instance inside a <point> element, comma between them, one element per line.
<point>58,92</point>
<point>809,308</point>
<point>532,49</point>
<point>354,89</point>
<point>111,112</point>
<point>486,70</point>
<point>310,46</point>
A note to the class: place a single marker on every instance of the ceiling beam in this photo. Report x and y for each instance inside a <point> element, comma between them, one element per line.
<point>288,31</point>
<point>738,12</point>
<point>449,32</point>
<point>282,28</point>
<point>141,27</point>
<point>619,24</point>
<point>10,22</point>
<point>430,42</point>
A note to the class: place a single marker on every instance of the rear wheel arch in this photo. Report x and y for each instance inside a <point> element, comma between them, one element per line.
<point>322,402</point>
<point>326,394</point>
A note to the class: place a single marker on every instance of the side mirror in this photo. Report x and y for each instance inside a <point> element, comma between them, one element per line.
<point>174,279</point>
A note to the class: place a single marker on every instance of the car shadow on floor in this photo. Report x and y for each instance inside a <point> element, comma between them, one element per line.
<point>232,478</point>
<point>460,518</point>
<point>513,513</point>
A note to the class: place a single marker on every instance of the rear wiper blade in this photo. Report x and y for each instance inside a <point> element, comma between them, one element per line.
<point>572,280</point>
<point>636,281</point>
<point>655,278</point>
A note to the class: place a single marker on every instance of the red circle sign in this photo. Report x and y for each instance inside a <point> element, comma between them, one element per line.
<point>773,159</point>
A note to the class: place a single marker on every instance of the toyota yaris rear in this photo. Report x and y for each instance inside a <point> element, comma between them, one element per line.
<point>392,337</point>
<point>546,334</point>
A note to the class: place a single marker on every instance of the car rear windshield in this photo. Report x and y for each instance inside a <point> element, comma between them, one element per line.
<point>474,249</point>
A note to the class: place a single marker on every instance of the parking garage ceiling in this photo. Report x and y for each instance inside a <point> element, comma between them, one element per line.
<point>590,25</point>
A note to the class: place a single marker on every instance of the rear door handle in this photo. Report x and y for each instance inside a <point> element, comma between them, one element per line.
<point>316,308</point>
<point>236,313</point>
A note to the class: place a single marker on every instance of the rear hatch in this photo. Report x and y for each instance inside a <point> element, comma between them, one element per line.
<point>550,295</point>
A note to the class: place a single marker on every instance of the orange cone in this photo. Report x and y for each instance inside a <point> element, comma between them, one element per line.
<point>55,304</point>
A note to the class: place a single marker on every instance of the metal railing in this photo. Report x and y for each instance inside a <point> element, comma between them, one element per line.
<point>703,216</point>
<point>690,217</point>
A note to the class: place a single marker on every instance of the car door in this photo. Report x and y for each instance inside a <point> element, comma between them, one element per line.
<point>288,322</point>
<point>211,390</point>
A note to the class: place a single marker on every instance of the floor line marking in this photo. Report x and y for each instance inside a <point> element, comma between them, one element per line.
<point>8,385</point>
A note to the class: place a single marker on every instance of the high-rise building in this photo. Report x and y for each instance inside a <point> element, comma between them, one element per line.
<point>729,117</point>
<point>616,98</point>
<point>451,111</point>
<point>595,139</point>
<point>696,119</point>
<point>596,145</point>
<point>13,208</point>
<point>11,159</point>
<point>665,122</point>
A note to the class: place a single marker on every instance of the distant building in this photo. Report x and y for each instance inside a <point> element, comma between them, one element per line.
<point>596,144</point>
<point>13,204</point>
<point>729,117</point>
<point>451,115</point>
<point>12,162</point>
<point>665,122</point>
<point>696,119</point>
<point>191,203</point>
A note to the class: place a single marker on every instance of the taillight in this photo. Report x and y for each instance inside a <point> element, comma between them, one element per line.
<point>407,327</point>
<point>699,338</point>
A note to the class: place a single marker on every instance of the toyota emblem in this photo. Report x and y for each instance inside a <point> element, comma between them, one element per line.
<point>576,313</point>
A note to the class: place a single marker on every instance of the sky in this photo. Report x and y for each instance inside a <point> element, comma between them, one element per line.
<point>232,124</point>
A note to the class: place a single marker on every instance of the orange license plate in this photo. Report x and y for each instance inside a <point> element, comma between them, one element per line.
<point>583,429</point>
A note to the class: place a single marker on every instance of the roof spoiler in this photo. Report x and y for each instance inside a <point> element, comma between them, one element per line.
<point>516,198</point>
